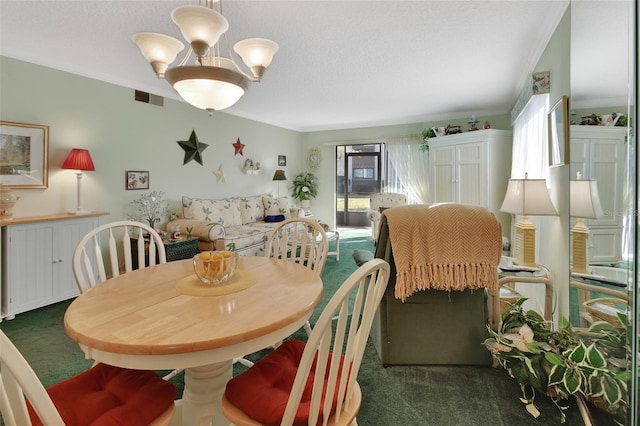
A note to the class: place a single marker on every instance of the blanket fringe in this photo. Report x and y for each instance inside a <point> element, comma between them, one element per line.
<point>445,277</point>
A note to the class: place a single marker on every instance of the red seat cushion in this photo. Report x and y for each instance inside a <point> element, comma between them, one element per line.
<point>263,390</point>
<point>107,395</point>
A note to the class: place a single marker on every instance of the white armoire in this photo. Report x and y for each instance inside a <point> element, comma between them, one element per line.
<point>599,153</point>
<point>472,168</point>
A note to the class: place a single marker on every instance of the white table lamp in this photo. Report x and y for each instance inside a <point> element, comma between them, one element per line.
<point>79,160</point>
<point>527,197</point>
<point>584,203</point>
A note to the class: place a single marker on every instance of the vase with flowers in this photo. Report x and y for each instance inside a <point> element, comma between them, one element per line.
<point>150,208</point>
<point>304,188</point>
<point>591,364</point>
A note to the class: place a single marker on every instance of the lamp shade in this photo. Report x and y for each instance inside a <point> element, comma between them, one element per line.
<point>256,51</point>
<point>208,88</point>
<point>584,200</point>
<point>159,49</point>
<point>200,23</point>
<point>528,197</point>
<point>79,159</point>
<point>279,175</point>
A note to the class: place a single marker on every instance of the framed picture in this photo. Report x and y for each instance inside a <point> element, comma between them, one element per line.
<point>558,124</point>
<point>282,160</point>
<point>136,179</point>
<point>24,155</point>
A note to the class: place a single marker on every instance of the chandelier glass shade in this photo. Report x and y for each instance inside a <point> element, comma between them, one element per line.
<point>214,82</point>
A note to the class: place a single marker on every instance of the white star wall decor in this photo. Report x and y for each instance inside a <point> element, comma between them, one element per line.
<point>220,177</point>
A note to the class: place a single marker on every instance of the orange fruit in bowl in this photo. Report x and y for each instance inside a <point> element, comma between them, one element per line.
<point>215,267</point>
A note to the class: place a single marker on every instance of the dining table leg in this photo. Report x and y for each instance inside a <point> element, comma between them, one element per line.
<point>202,395</point>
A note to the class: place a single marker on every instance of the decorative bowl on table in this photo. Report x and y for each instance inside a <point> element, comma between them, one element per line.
<point>215,267</point>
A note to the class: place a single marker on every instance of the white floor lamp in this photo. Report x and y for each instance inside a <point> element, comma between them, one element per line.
<point>79,160</point>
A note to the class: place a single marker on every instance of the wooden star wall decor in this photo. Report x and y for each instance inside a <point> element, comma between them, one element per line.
<point>193,148</point>
<point>238,146</point>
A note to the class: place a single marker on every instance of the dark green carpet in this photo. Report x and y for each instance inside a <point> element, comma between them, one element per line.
<point>429,395</point>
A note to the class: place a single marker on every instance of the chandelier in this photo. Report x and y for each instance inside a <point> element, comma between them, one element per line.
<point>212,82</point>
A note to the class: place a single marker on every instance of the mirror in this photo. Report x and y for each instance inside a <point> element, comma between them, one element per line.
<point>602,45</point>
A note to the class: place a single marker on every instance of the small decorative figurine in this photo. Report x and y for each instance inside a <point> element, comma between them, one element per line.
<point>473,121</point>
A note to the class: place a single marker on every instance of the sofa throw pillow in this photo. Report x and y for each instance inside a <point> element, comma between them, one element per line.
<point>225,211</point>
<point>251,209</point>
<point>276,206</point>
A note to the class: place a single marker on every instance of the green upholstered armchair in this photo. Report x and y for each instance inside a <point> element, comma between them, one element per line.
<point>432,327</point>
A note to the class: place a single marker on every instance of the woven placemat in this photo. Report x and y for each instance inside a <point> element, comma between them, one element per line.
<point>192,286</point>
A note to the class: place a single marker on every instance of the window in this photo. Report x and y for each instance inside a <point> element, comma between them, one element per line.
<point>363,173</point>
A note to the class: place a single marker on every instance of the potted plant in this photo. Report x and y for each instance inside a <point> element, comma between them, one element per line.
<point>426,134</point>
<point>560,363</point>
<point>304,188</point>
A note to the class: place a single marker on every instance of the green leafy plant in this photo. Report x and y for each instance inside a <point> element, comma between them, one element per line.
<point>564,362</point>
<point>305,186</point>
<point>426,134</point>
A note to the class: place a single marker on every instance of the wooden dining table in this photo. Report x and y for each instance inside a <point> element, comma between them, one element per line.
<point>162,318</point>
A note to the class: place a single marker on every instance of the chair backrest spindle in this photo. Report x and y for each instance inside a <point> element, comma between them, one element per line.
<point>89,261</point>
<point>352,328</point>
<point>299,240</point>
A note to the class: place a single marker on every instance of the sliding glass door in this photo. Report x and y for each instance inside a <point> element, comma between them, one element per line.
<point>359,174</point>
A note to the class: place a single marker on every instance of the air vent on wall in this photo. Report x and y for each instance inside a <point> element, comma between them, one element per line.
<point>148,98</point>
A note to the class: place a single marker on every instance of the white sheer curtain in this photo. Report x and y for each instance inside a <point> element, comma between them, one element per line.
<point>530,149</point>
<point>411,166</point>
<point>530,156</point>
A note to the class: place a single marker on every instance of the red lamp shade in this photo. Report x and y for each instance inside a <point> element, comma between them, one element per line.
<point>79,159</point>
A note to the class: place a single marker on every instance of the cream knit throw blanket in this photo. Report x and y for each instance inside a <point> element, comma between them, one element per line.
<point>444,247</point>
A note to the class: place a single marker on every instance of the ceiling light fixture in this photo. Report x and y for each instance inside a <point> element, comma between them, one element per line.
<point>214,82</point>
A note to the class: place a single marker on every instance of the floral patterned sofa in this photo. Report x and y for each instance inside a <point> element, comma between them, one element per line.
<point>236,223</point>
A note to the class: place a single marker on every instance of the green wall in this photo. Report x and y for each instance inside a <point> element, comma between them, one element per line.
<point>122,134</point>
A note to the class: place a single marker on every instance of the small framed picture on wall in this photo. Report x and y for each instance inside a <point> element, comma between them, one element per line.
<point>136,179</point>
<point>282,160</point>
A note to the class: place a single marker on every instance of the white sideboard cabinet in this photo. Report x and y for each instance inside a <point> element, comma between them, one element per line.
<point>37,259</point>
<point>472,168</point>
<point>599,153</point>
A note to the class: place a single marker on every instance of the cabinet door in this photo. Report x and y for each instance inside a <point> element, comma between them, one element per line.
<point>443,172</point>
<point>29,268</point>
<point>597,153</point>
<point>606,167</point>
<point>579,155</point>
<point>471,179</point>
<point>68,233</point>
<point>600,157</point>
<point>605,245</point>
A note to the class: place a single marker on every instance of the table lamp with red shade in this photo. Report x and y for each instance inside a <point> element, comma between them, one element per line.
<point>79,160</point>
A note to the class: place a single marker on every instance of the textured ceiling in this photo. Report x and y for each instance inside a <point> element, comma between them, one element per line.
<point>341,64</point>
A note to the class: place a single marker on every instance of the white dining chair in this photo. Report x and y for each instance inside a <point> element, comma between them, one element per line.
<point>90,264</point>
<point>290,383</point>
<point>299,240</point>
<point>120,395</point>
